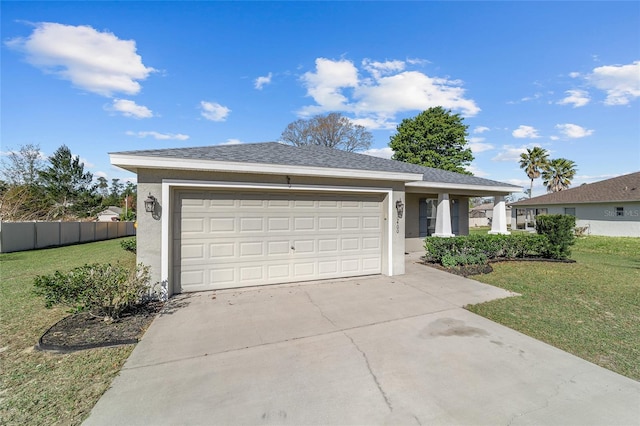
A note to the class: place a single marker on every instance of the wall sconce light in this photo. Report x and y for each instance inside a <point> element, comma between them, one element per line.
<point>150,204</point>
<point>400,208</point>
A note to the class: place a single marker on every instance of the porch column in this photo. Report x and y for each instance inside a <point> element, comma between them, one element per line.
<point>499,221</point>
<point>443,217</point>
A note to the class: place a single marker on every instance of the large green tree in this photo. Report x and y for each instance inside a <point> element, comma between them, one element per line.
<point>434,138</point>
<point>67,184</point>
<point>534,161</point>
<point>332,130</point>
<point>558,174</point>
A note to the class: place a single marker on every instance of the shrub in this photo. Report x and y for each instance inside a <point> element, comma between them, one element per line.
<point>479,249</point>
<point>559,230</point>
<point>129,244</point>
<point>101,289</point>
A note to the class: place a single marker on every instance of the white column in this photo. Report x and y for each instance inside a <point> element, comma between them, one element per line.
<point>443,217</point>
<point>499,221</point>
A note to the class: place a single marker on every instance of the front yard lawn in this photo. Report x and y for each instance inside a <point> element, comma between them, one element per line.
<point>39,388</point>
<point>590,308</point>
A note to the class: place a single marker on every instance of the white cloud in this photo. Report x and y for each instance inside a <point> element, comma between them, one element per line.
<point>159,136</point>
<point>214,111</point>
<point>336,85</point>
<point>577,98</point>
<point>260,82</point>
<point>476,171</point>
<point>510,153</point>
<point>378,69</point>
<point>481,129</point>
<point>232,142</point>
<point>385,152</point>
<point>130,109</point>
<point>100,174</point>
<point>573,131</point>
<point>620,82</point>
<point>376,123</point>
<point>477,145</point>
<point>525,132</point>
<point>98,62</point>
<point>326,83</point>
<point>86,163</point>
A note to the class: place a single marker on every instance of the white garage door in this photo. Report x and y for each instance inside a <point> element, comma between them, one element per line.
<point>231,239</point>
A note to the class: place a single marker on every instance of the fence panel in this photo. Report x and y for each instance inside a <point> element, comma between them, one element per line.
<point>21,236</point>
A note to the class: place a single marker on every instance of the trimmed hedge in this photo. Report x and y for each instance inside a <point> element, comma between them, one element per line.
<point>476,249</point>
<point>129,244</point>
<point>560,232</point>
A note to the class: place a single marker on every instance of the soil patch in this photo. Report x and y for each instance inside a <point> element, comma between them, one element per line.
<point>85,331</point>
<point>470,270</point>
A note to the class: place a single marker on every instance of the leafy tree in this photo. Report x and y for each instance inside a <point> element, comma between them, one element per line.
<point>21,167</point>
<point>534,161</point>
<point>116,188</point>
<point>558,174</point>
<point>433,138</point>
<point>331,130</point>
<point>103,187</point>
<point>67,184</point>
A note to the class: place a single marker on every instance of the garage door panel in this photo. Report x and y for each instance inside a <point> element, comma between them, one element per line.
<point>350,223</point>
<point>222,250</point>
<point>275,248</point>
<point>350,244</point>
<point>371,223</point>
<point>221,224</point>
<point>231,239</point>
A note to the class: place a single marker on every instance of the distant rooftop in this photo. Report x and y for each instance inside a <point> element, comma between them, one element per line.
<point>618,189</point>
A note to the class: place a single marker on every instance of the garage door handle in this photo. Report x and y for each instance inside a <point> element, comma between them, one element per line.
<point>293,248</point>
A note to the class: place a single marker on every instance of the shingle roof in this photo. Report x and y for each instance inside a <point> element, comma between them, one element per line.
<point>618,189</point>
<point>310,156</point>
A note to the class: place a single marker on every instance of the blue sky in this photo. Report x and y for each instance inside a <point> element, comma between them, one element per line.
<point>115,76</point>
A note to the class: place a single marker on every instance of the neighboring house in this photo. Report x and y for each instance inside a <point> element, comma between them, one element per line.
<point>610,207</point>
<point>482,215</point>
<point>111,213</point>
<point>252,214</point>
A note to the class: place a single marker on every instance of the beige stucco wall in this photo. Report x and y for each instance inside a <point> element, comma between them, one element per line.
<point>149,247</point>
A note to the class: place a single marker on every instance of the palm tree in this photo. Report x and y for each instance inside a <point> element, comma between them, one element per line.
<point>534,162</point>
<point>558,174</point>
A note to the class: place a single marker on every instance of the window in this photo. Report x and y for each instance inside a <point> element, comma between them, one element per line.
<point>427,221</point>
<point>570,211</point>
<point>619,211</point>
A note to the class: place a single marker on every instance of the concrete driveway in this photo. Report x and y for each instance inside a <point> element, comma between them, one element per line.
<point>365,351</point>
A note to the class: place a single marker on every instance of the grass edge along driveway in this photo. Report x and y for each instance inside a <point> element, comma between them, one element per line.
<point>590,308</point>
<point>39,388</point>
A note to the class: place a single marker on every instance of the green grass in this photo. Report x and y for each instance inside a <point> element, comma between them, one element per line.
<point>590,308</point>
<point>39,388</point>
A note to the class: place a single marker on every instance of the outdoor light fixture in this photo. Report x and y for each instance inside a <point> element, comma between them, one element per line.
<point>399,208</point>
<point>150,204</point>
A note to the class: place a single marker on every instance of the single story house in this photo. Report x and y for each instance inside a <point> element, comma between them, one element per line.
<point>110,214</point>
<point>482,214</point>
<point>251,214</point>
<point>610,207</point>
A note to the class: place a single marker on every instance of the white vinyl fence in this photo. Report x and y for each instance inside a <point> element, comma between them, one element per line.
<point>21,236</point>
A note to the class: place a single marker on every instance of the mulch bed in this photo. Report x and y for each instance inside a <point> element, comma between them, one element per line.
<point>85,331</point>
<point>470,270</point>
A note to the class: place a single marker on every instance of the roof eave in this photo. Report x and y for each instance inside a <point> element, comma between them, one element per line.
<point>498,189</point>
<point>134,162</point>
